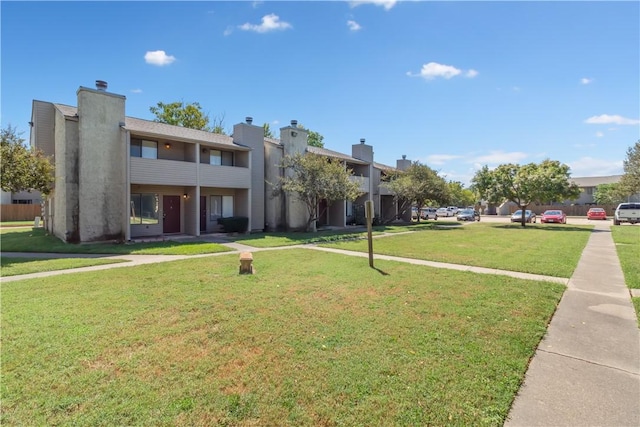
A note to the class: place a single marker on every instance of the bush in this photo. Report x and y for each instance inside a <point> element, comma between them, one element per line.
<point>234,224</point>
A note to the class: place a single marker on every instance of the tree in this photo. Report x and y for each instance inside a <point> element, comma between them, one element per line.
<point>460,196</point>
<point>630,181</point>
<point>311,178</point>
<point>314,139</point>
<point>267,131</point>
<point>188,116</point>
<point>545,182</point>
<point>419,185</point>
<point>23,169</point>
<point>608,194</point>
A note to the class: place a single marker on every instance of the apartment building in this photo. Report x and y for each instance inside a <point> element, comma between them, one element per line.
<point>121,178</point>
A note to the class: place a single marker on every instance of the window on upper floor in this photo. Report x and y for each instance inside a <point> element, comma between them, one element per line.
<point>143,148</point>
<point>220,158</point>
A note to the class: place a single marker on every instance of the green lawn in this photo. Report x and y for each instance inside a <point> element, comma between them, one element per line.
<point>627,240</point>
<point>536,248</point>
<point>10,266</point>
<point>329,342</point>
<point>37,240</point>
<point>16,223</point>
<point>277,239</point>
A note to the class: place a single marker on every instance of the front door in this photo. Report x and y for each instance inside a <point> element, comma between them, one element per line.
<point>203,213</point>
<point>171,214</point>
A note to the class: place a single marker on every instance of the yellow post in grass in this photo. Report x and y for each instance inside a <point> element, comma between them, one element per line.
<point>369,214</point>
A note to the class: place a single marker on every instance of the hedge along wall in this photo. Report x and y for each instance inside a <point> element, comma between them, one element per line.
<point>19,212</point>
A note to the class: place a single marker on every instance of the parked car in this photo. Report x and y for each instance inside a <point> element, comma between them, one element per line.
<point>554,215</point>
<point>468,215</point>
<point>627,212</point>
<point>443,212</point>
<point>428,213</point>
<point>529,216</point>
<point>596,213</point>
<point>453,209</point>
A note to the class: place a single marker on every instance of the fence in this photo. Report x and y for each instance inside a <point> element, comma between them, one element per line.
<point>19,212</point>
<point>575,210</point>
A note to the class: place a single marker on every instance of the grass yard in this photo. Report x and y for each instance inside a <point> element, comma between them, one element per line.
<point>16,224</point>
<point>536,248</point>
<point>277,239</point>
<point>37,240</point>
<point>327,342</point>
<point>627,240</point>
<point>10,266</point>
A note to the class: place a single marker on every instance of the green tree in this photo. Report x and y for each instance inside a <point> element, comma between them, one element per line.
<point>267,131</point>
<point>23,169</point>
<point>311,178</point>
<point>630,181</point>
<point>314,139</point>
<point>187,115</point>
<point>545,182</point>
<point>608,194</point>
<point>419,185</point>
<point>460,196</point>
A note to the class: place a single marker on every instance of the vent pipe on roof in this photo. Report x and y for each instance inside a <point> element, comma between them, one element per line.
<point>101,85</point>
<point>362,140</point>
<point>294,123</point>
<point>249,120</point>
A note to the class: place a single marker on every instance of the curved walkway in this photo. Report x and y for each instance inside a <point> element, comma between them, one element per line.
<point>586,370</point>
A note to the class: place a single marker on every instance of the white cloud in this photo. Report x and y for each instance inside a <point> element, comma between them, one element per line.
<point>255,4</point>
<point>387,4</point>
<point>599,134</point>
<point>269,23</point>
<point>500,157</point>
<point>588,166</point>
<point>471,73</point>
<point>136,90</point>
<point>353,25</point>
<point>433,70</point>
<point>589,146</point>
<point>440,159</point>
<point>605,119</point>
<point>586,81</point>
<point>228,31</point>
<point>158,57</point>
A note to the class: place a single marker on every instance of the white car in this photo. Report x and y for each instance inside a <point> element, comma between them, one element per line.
<point>444,212</point>
<point>428,213</point>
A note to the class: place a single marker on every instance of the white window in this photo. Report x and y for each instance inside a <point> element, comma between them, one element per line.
<point>149,149</point>
<point>221,207</point>
<point>215,157</point>
<point>144,209</point>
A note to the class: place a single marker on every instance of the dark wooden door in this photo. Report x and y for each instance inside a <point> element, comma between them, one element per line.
<point>203,213</point>
<point>171,214</point>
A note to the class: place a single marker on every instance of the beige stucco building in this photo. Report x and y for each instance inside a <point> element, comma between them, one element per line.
<point>121,178</point>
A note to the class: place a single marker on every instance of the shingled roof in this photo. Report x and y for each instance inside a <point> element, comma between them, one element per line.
<point>153,129</point>
<point>594,181</point>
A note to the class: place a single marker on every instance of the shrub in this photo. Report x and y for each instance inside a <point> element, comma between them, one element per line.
<point>234,224</point>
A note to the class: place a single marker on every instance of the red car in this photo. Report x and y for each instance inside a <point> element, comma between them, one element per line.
<point>596,213</point>
<point>554,216</point>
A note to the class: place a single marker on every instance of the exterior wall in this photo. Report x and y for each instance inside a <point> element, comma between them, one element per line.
<point>294,141</point>
<point>275,208</point>
<point>253,137</point>
<point>42,132</point>
<point>403,164</point>
<point>65,221</point>
<point>102,165</point>
<point>6,198</point>
<point>162,172</point>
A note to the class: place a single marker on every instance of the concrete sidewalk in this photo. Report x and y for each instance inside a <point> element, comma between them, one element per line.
<point>586,371</point>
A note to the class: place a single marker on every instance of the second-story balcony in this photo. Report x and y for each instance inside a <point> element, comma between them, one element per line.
<point>363,181</point>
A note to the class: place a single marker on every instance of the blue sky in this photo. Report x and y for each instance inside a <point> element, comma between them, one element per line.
<point>455,85</point>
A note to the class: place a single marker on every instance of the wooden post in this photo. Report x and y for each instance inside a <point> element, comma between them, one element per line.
<point>246,263</point>
<point>368,212</point>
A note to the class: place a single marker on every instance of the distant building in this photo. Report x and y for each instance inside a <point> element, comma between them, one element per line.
<point>588,185</point>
